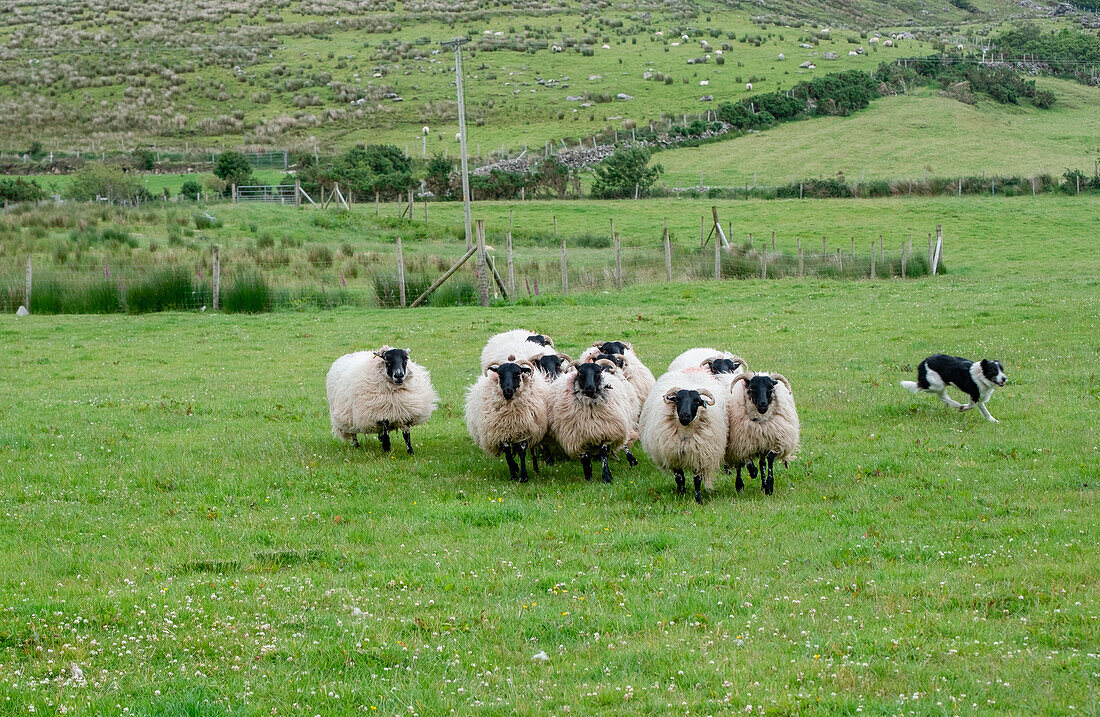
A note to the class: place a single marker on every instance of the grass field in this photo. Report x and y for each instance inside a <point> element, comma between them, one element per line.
<point>180,524</point>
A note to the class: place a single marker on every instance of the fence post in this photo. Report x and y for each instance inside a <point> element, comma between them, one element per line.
<point>939,249</point>
<point>564,269</point>
<point>410,205</point>
<point>400,273</point>
<point>824,248</point>
<point>773,240</point>
<point>27,296</point>
<point>618,265</point>
<point>234,189</point>
<point>1078,185</point>
<point>668,254</point>
<point>960,186</point>
<point>853,248</point>
<point>376,205</point>
<point>750,241</point>
<point>903,258</point>
<point>511,266</point>
<point>717,259</point>
<point>881,250</point>
<point>839,260</point>
<point>764,264</point>
<point>801,266</point>
<point>929,250</point>
<point>702,232</point>
<point>482,265</point>
<point>216,276</point>
<point>873,259</point>
<point>297,192</point>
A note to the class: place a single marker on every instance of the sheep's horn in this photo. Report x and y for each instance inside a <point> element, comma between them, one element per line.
<point>565,358</point>
<point>740,377</point>
<point>707,394</point>
<point>781,377</point>
<point>576,364</point>
<point>491,367</point>
<point>707,361</point>
<point>605,362</point>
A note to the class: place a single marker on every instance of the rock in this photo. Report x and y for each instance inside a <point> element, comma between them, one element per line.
<point>593,78</point>
<point>707,98</point>
<point>647,75</point>
<point>782,56</point>
<point>22,311</point>
<point>807,63</point>
<point>623,96</point>
<point>573,98</point>
<point>805,46</point>
<point>541,656</point>
<point>829,56</point>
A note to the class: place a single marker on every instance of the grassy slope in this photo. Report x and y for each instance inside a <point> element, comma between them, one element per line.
<point>185,527</point>
<point>901,137</point>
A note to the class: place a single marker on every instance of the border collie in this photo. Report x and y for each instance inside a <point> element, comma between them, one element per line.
<point>975,379</point>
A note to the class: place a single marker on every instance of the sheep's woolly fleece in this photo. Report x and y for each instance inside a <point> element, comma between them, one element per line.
<point>361,395</point>
<point>637,374</point>
<point>511,343</point>
<point>698,447</point>
<point>492,420</point>
<point>579,424</point>
<point>753,434</point>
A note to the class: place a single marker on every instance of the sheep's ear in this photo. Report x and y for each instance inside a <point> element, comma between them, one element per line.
<point>492,367</point>
<point>525,368</point>
<point>705,394</point>
<point>671,397</point>
<point>598,345</point>
<point>627,344</point>
<point>408,351</point>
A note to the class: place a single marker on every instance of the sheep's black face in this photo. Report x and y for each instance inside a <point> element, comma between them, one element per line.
<point>687,403</point>
<point>724,365</point>
<point>510,375</point>
<point>612,347</point>
<point>397,364</point>
<point>761,391</point>
<point>589,379</point>
<point>616,359</point>
<point>994,372</point>
<point>540,340</point>
<point>551,365</point>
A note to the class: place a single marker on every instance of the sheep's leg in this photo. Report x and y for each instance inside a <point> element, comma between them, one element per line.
<point>408,441</point>
<point>384,436</point>
<point>513,470</point>
<point>547,456</point>
<point>764,474</point>
<point>535,458</point>
<point>698,488</point>
<point>771,473</point>
<point>740,483</point>
<point>586,463</point>
<point>681,484</point>
<point>630,458</point>
<point>523,461</point>
<point>355,440</point>
<point>605,454</point>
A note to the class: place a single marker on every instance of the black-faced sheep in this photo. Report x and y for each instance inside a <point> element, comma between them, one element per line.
<point>717,362</point>
<point>506,412</point>
<point>520,343</point>
<point>636,373</point>
<point>763,425</point>
<point>592,413</point>
<point>684,427</point>
<point>378,392</point>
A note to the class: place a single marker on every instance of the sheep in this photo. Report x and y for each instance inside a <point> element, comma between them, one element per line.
<point>748,86</point>
<point>520,343</point>
<point>591,413</point>
<point>635,372</point>
<point>684,426</point>
<point>550,365</point>
<point>717,362</point>
<point>506,411</point>
<point>378,392</point>
<point>763,424</point>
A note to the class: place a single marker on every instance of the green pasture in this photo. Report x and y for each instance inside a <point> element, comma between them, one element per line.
<point>179,523</point>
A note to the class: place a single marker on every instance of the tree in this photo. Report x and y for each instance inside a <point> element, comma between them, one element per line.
<point>553,176</point>
<point>21,190</point>
<point>233,168</point>
<point>438,176</point>
<point>374,168</point>
<point>108,181</point>
<point>625,173</point>
<point>191,190</point>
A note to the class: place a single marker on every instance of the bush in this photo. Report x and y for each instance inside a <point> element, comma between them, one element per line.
<point>165,290</point>
<point>191,190</point>
<point>107,181</point>
<point>20,190</point>
<point>625,173</point>
<point>233,168</point>
<point>206,221</point>
<point>247,294</point>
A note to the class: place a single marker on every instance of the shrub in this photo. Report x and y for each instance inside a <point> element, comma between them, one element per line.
<point>248,293</point>
<point>625,173</point>
<point>109,181</point>
<point>206,221</point>
<point>164,290</point>
<point>233,168</point>
<point>191,190</point>
<point>20,190</point>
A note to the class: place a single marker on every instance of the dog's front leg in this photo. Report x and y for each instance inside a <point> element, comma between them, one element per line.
<point>985,412</point>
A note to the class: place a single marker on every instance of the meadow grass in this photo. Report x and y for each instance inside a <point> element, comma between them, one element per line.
<point>179,522</point>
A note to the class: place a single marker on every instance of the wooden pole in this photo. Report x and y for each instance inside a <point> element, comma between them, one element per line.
<point>410,205</point>
<point>376,200</point>
<point>717,259</point>
<point>27,295</point>
<point>618,265</point>
<point>801,266</point>
<point>400,273</point>
<point>234,189</point>
<point>496,278</point>
<point>824,248</point>
<point>216,276</point>
<point>668,254</point>
<point>839,260</point>
<point>564,269</point>
<point>873,255</point>
<point>438,282</point>
<point>702,232</point>
<point>903,258</point>
<point>853,248</point>
<point>718,228</point>
<point>881,250</point>
<point>939,249</point>
<point>482,265</point>
<point>764,264</point>
<point>773,240</point>
<point>297,192</point>
<point>511,266</point>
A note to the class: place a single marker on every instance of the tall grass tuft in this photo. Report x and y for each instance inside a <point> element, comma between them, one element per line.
<point>165,290</point>
<point>249,293</point>
<point>53,295</point>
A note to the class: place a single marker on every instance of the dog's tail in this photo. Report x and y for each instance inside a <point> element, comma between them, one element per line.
<point>911,385</point>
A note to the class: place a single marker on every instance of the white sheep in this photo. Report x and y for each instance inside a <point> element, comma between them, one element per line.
<point>378,392</point>
<point>521,343</point>
<point>635,372</point>
<point>748,86</point>
<point>763,425</point>
<point>704,83</point>
<point>506,412</point>
<point>714,361</point>
<point>684,427</point>
<point>591,413</point>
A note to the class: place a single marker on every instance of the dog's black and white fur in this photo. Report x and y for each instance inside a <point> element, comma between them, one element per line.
<point>976,380</point>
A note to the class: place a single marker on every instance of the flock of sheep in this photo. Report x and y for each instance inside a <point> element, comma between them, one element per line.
<point>706,413</point>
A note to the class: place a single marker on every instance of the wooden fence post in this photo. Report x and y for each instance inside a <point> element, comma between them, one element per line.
<point>881,250</point>
<point>618,264</point>
<point>234,190</point>
<point>668,254</point>
<point>824,248</point>
<point>410,205</point>
<point>938,254</point>
<point>446,275</point>
<point>702,232</point>
<point>511,266</point>
<point>903,258</point>
<point>216,276</point>
<point>482,265</point>
<point>801,266</point>
<point>400,273</point>
<point>873,259</point>
<point>853,248</point>
<point>30,273</point>
<point>839,260</point>
<point>376,200</point>
<point>717,259</point>
<point>297,192</point>
<point>773,240</point>
<point>764,264</point>
<point>564,269</point>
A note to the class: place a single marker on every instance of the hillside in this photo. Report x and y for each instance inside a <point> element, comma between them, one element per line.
<point>87,75</point>
<point>903,137</point>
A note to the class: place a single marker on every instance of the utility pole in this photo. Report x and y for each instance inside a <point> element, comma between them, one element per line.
<point>457,44</point>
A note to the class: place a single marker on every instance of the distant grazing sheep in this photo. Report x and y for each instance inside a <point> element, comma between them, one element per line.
<point>378,392</point>
<point>763,425</point>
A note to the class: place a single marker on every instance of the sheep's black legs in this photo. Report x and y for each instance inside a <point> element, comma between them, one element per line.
<point>764,474</point>
<point>751,465</point>
<point>698,488</point>
<point>771,473</point>
<point>681,484</point>
<point>384,436</point>
<point>535,458</point>
<point>523,461</point>
<point>605,453</point>
<point>631,459</point>
<point>586,463</point>
<point>513,471</point>
<point>408,441</point>
<point>740,483</point>
<point>547,456</point>
<point>355,440</point>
